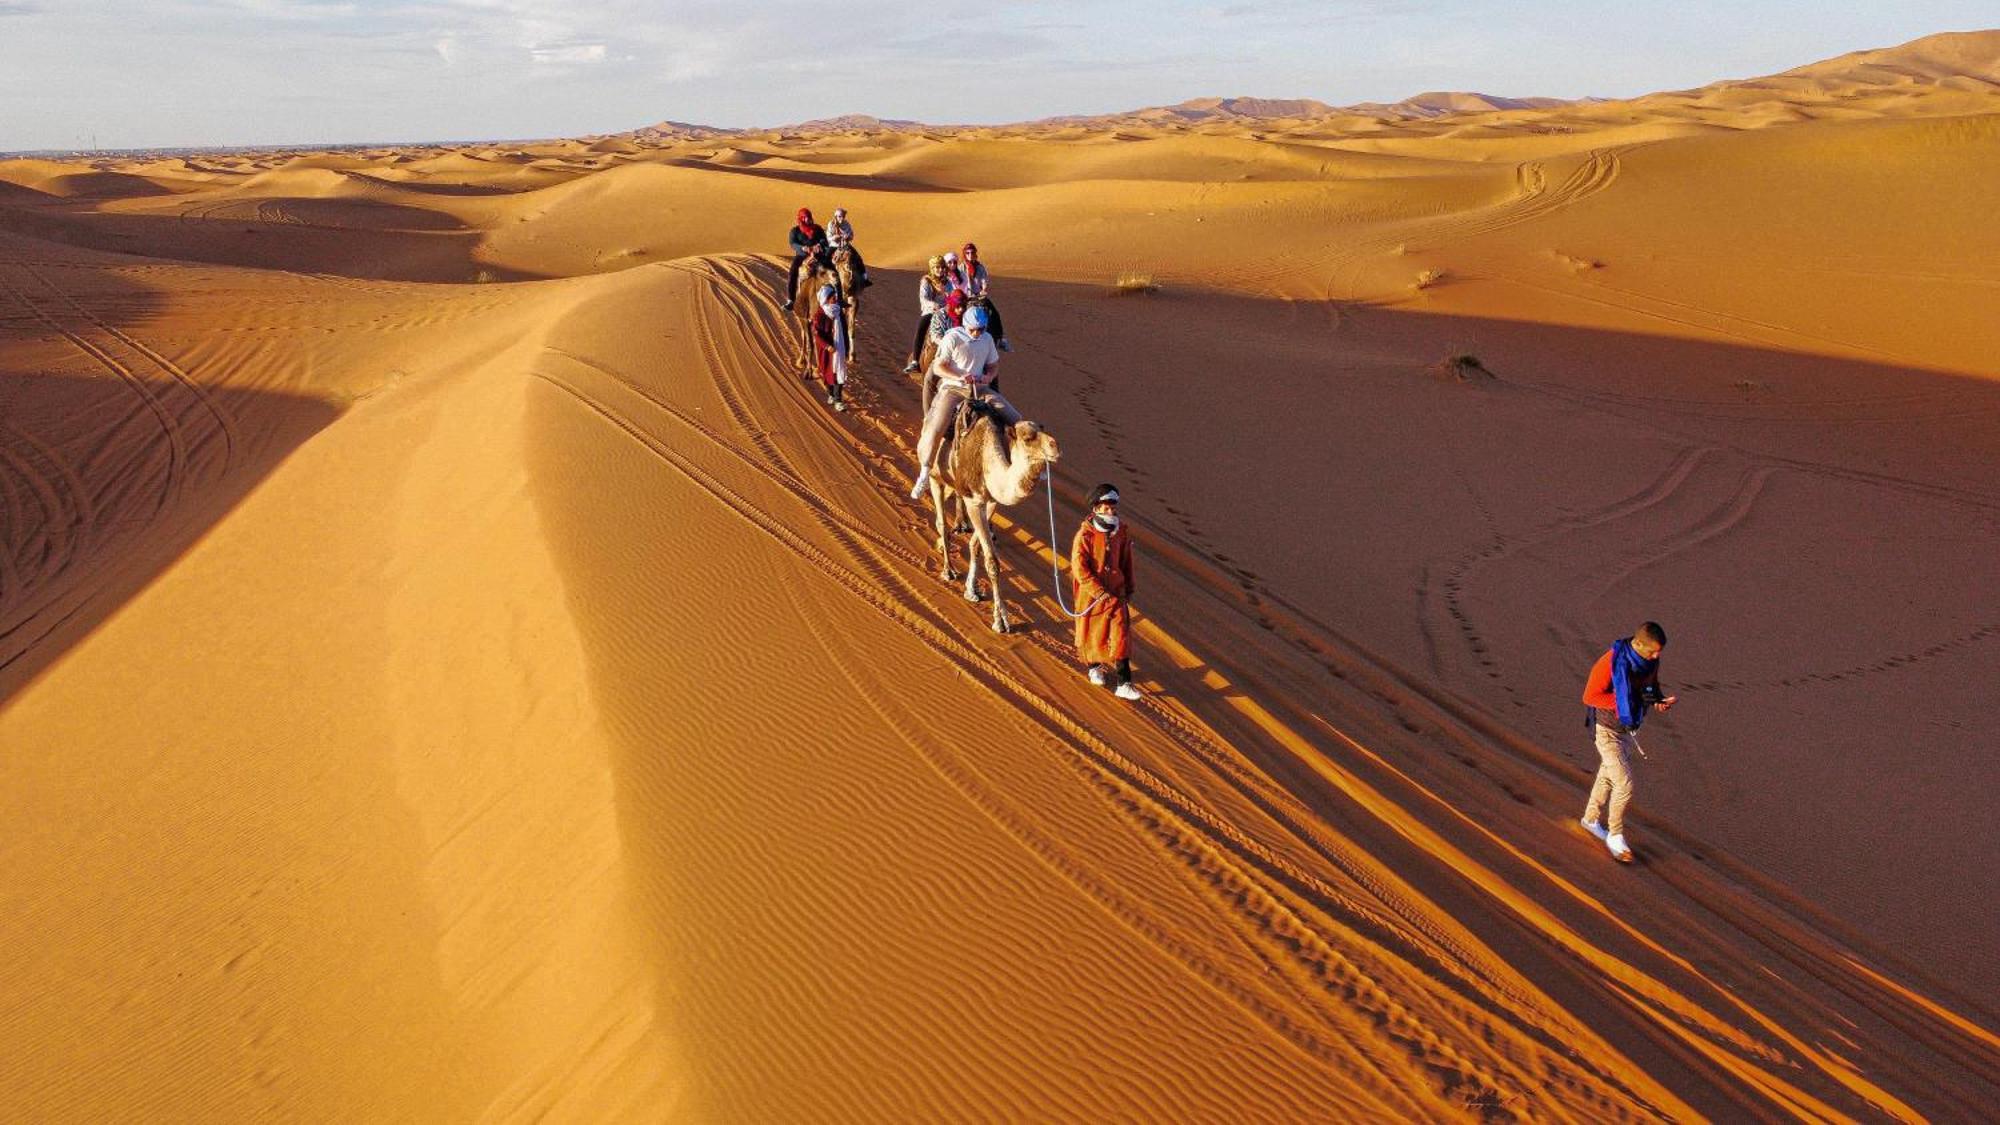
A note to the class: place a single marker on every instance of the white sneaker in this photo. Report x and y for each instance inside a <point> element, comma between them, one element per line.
<point>1594,828</point>
<point>1126,691</point>
<point>923,485</point>
<point>1096,675</point>
<point>1619,852</point>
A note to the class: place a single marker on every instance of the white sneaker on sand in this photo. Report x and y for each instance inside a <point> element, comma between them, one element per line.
<point>1592,827</point>
<point>1126,691</point>
<point>918,489</point>
<point>1619,852</point>
<point>1097,676</point>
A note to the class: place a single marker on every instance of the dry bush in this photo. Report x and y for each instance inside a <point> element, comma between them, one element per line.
<point>1132,282</point>
<point>1428,278</point>
<point>1463,367</point>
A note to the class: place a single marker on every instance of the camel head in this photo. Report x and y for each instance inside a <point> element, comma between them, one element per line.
<point>1029,440</point>
<point>843,264</point>
<point>810,279</point>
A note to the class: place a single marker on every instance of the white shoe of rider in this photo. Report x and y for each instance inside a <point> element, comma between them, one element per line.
<point>1097,676</point>
<point>1619,852</point>
<point>1592,827</point>
<point>923,485</point>
<point>1126,691</point>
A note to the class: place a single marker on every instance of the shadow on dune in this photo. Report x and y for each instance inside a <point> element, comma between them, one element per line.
<point>21,194</point>
<point>818,179</point>
<point>430,187</point>
<point>235,234</point>
<point>341,214</point>
<point>103,185</point>
<point>1815,531</point>
<point>113,462</point>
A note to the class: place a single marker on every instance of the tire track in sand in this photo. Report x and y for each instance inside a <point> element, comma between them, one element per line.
<point>1717,1053</point>
<point>225,426</point>
<point>1715,1043</point>
<point>1337,1036</point>
<point>1280,806</point>
<point>1532,199</point>
<point>34,552</point>
<point>169,489</point>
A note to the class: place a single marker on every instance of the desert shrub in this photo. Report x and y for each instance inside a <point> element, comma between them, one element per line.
<point>1463,367</point>
<point>1133,283</point>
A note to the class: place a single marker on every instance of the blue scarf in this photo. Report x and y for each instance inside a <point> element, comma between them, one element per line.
<point>1629,671</point>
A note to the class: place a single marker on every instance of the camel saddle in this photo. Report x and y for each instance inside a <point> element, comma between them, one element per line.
<point>969,413</point>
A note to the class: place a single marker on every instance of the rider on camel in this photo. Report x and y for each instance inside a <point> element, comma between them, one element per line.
<point>977,285</point>
<point>932,290</point>
<point>839,234</point>
<point>807,238</point>
<point>965,365</point>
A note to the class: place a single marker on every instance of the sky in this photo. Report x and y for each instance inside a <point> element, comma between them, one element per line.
<point>190,73</point>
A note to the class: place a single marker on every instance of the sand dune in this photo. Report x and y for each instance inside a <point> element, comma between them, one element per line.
<point>451,668</point>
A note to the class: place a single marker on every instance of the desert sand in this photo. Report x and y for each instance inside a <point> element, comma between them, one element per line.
<point>452,668</point>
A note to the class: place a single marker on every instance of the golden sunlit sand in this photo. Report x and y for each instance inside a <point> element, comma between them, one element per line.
<point>453,668</point>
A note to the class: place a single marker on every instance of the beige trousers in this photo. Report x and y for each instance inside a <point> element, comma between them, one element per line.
<point>944,408</point>
<point>1614,778</point>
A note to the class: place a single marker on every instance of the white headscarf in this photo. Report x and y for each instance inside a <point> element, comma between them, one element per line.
<point>830,305</point>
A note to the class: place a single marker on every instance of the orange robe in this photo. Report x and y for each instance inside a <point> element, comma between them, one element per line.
<point>1100,565</point>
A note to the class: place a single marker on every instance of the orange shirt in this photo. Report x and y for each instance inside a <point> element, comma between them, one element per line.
<point>1597,688</point>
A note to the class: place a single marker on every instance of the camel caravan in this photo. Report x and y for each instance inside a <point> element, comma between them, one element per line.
<point>975,452</point>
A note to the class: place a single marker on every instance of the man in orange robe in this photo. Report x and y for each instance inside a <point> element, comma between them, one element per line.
<point>1100,565</point>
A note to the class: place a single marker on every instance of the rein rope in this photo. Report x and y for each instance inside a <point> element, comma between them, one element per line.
<point>1055,562</point>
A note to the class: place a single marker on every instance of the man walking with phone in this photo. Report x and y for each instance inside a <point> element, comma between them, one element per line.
<point>1623,684</point>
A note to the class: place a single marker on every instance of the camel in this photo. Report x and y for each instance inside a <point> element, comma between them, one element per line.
<point>840,274</point>
<point>985,464</point>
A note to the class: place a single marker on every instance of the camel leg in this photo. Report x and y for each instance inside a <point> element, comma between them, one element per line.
<point>802,307</point>
<point>982,534</point>
<point>972,567</point>
<point>938,502</point>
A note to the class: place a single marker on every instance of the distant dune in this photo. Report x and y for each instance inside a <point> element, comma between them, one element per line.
<point>1968,62</point>
<point>453,667</point>
<point>1963,59</point>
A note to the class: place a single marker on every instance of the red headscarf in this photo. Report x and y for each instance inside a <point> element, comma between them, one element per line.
<point>806,223</point>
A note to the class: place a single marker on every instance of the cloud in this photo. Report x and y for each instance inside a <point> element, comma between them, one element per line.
<point>20,8</point>
<point>296,9</point>
<point>569,53</point>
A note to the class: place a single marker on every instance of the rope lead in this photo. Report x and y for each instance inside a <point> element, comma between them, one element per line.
<point>1055,556</point>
